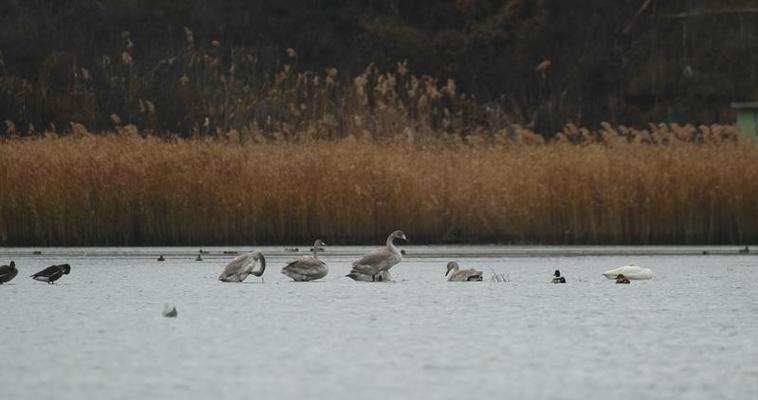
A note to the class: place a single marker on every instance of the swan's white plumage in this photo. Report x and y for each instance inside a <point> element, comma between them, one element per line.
<point>631,272</point>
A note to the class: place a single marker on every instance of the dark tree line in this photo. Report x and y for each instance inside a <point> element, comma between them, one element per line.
<point>544,62</point>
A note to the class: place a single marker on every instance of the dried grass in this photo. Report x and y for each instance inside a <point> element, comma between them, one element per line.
<point>126,189</point>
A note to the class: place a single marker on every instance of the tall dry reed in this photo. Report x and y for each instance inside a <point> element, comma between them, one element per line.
<point>126,189</point>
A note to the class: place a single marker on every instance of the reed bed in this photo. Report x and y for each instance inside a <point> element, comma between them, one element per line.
<point>128,189</point>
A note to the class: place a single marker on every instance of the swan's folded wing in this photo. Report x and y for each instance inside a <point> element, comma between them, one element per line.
<point>305,266</point>
<point>375,261</point>
<point>473,274</point>
<point>239,264</point>
<point>466,275</point>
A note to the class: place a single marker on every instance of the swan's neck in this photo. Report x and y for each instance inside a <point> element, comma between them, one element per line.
<point>391,246</point>
<point>259,265</point>
<point>390,240</point>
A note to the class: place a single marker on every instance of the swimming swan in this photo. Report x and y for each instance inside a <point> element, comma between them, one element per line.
<point>244,265</point>
<point>307,268</point>
<point>459,275</point>
<point>631,272</point>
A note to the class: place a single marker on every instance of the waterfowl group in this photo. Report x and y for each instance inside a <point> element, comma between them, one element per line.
<point>52,273</point>
<point>374,266</point>
<point>8,272</point>
<point>49,274</point>
<point>462,275</point>
<point>253,263</point>
<point>308,268</point>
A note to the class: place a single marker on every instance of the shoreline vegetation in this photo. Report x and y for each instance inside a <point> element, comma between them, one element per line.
<point>667,184</point>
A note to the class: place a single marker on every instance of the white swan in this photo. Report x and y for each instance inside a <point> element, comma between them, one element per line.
<point>631,271</point>
<point>242,266</point>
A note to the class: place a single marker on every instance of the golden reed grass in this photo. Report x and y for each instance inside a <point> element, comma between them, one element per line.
<point>125,189</point>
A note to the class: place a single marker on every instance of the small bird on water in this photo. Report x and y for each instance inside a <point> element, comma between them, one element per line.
<point>52,273</point>
<point>8,272</point>
<point>169,311</point>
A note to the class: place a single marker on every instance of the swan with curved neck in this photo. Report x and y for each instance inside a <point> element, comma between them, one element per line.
<point>375,266</point>
<point>308,268</point>
<point>459,275</point>
<point>253,263</point>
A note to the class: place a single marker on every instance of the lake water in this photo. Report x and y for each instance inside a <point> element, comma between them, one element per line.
<point>690,333</point>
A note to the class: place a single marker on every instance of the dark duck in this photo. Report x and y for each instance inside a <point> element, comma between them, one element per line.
<point>52,273</point>
<point>8,272</point>
<point>557,278</point>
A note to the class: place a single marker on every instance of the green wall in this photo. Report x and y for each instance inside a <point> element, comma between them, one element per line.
<point>747,122</point>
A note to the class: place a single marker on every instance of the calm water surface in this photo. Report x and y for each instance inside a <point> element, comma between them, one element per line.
<point>690,333</point>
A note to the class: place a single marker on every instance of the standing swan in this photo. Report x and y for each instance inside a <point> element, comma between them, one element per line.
<point>459,275</point>
<point>307,268</point>
<point>375,266</point>
<point>244,265</point>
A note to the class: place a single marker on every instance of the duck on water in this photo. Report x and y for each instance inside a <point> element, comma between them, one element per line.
<point>52,273</point>
<point>8,272</point>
